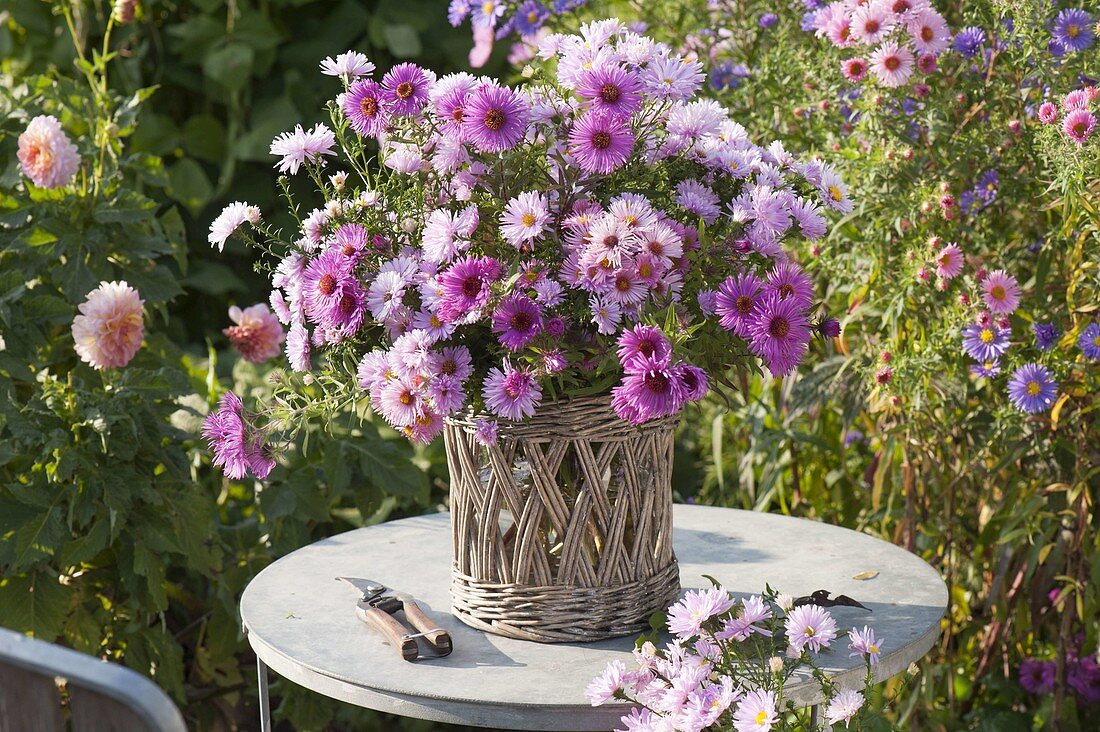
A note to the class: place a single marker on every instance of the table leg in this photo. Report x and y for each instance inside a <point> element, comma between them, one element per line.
<point>815,716</point>
<point>265,702</point>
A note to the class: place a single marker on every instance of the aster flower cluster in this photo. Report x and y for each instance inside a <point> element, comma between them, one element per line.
<point>1075,115</point>
<point>496,19</point>
<point>594,230</point>
<point>890,39</point>
<point>728,663</point>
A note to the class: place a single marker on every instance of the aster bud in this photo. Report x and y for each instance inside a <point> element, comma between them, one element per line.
<point>124,11</point>
<point>926,207</point>
<point>409,225</point>
<point>775,665</point>
<point>923,274</point>
<point>964,299</point>
<point>895,401</point>
<point>338,180</point>
<point>960,99</point>
<point>934,242</point>
<point>528,71</point>
<point>889,154</point>
<point>913,670</point>
<point>941,285</point>
<point>1015,127</point>
<point>886,356</point>
<point>815,250</point>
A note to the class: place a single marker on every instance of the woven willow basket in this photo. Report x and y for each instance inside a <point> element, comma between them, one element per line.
<point>562,529</point>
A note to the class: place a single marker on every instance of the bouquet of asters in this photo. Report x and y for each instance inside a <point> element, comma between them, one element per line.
<point>486,248</point>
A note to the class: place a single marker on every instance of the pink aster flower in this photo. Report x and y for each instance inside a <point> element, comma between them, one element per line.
<point>110,327</point>
<point>229,220</point>
<point>1076,99</point>
<point>790,282</point>
<point>235,448</point>
<point>1078,125</point>
<point>686,617</point>
<point>517,321</point>
<point>863,642</point>
<point>495,118</point>
<point>650,391</point>
<point>737,299</point>
<point>603,688</point>
<point>524,219</point>
<point>298,346</point>
<point>892,64</point>
<point>611,88</point>
<point>46,154</point>
<point>1000,292</point>
<point>1048,113</point>
<point>511,393</point>
<point>407,88</point>
<point>743,624</point>
<point>809,626</point>
<point>257,333</point>
<point>949,262</point>
<point>642,345</point>
<point>843,707</point>
<point>299,146</point>
<point>364,106</point>
<point>486,432</point>
<point>600,142</point>
<point>756,712</point>
<point>854,69</point>
<point>465,287</point>
<point>348,65</point>
<point>871,23</point>
<point>929,32</point>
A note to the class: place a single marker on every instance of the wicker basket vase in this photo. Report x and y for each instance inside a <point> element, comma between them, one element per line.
<point>563,529</point>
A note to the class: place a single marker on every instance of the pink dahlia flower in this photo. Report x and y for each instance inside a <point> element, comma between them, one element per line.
<point>110,327</point>
<point>257,335</point>
<point>46,154</point>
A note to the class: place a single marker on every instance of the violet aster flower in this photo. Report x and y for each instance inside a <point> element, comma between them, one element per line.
<point>843,707</point>
<point>736,301</point>
<point>1032,388</point>
<point>756,712</point>
<point>1083,676</point>
<point>465,287</point>
<point>517,321</point>
<point>969,41</point>
<point>299,146</point>
<point>672,77</point>
<point>1000,292</point>
<point>457,12</point>
<point>511,393</point>
<point>600,142</point>
<point>743,623</point>
<point>407,88</point>
<point>642,345</point>
<point>1079,125</point>
<point>1072,30</point>
<point>486,432</point>
<point>779,333</point>
<point>495,118</point>
<point>864,643</point>
<point>323,283</point>
<point>984,342</point>
<point>1037,676</point>
<point>809,627</point>
<point>650,391</point>
<point>524,219</point>
<point>693,381</point>
<point>768,20</point>
<point>697,198</point>
<point>1089,341</point>
<point>610,88</point>
<point>364,106</point>
<point>1046,335</point>
<point>829,327</point>
<point>790,282</point>
<point>686,617</point>
<point>530,17</point>
<point>985,369</point>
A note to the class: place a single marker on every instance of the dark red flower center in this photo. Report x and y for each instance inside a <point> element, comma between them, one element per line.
<point>327,284</point>
<point>927,34</point>
<point>458,114</point>
<point>448,367</point>
<point>656,382</point>
<point>901,6</point>
<point>471,286</point>
<point>601,140</point>
<point>368,106</point>
<point>348,250</point>
<point>871,26</point>
<point>646,348</point>
<point>892,63</point>
<point>743,304</point>
<point>494,119</point>
<point>779,327</point>
<point>622,283</point>
<point>610,93</point>
<point>786,290</point>
<point>521,321</point>
<point>405,90</point>
<point>347,304</point>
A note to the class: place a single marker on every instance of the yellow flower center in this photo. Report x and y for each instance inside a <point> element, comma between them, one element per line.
<point>1033,388</point>
<point>872,649</point>
<point>528,219</point>
<point>809,632</point>
<point>488,6</point>
<point>762,717</point>
<point>834,191</point>
<point>997,292</point>
<point>1073,30</point>
<point>986,336</point>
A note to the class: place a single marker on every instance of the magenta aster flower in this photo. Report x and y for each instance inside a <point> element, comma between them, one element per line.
<point>779,333</point>
<point>693,381</point>
<point>511,393</point>
<point>871,23</point>
<point>1078,125</point>
<point>650,391</point>
<point>611,88</point>
<point>465,287</point>
<point>495,118</point>
<point>407,88</point>
<point>298,347</point>
<point>1048,113</point>
<point>809,626</point>
<point>1000,292</point>
<point>486,432</point>
<point>226,432</point>
<point>323,284</point>
<point>737,299</point>
<point>892,64</point>
<point>790,282</point>
<point>863,642</point>
<point>643,345</point>
<point>1076,99</point>
<point>364,106</point>
<point>686,617</point>
<point>600,142</point>
<point>854,69</point>
<point>516,321</point>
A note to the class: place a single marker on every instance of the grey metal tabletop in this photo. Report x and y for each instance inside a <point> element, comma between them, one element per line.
<point>302,623</point>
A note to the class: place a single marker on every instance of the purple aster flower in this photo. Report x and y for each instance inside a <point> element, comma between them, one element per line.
<point>708,302</point>
<point>487,12</point>
<point>1072,30</point>
<point>406,88</point>
<point>611,88</point>
<point>300,146</point>
<point>511,393</point>
<point>768,20</point>
<point>323,283</point>
<point>465,287</point>
<point>652,390</point>
<point>524,219</point>
<point>529,17</point>
<point>1089,342</point>
<point>1083,676</point>
<point>693,381</point>
<point>790,282</point>
<point>851,437</point>
<point>1046,335</point>
<point>641,346</point>
<point>363,106</point>
<point>809,626</point>
<point>986,186</point>
<point>984,342</point>
<point>351,240</point>
<point>495,118</point>
<point>457,12</point>
<point>779,333</point>
<point>743,623</point>
<point>728,75</point>
<point>686,617</point>
<point>985,369</point>
<point>486,432</point>
<point>737,299</point>
<point>1032,388</point>
<point>1036,676</point>
<point>864,643</point>
<point>227,433</point>
<point>600,142</point>
<point>697,198</point>
<point>968,41</point>
<point>829,327</point>
<point>555,327</point>
<point>516,321</point>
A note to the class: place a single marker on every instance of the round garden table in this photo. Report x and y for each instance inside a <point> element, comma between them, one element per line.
<point>302,623</point>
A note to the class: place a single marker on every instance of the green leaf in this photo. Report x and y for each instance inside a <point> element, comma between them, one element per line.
<point>204,137</point>
<point>35,603</point>
<point>230,66</point>
<point>402,40</point>
<point>188,184</point>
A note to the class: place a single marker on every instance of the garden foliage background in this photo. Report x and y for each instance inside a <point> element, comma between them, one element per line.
<point>120,540</point>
